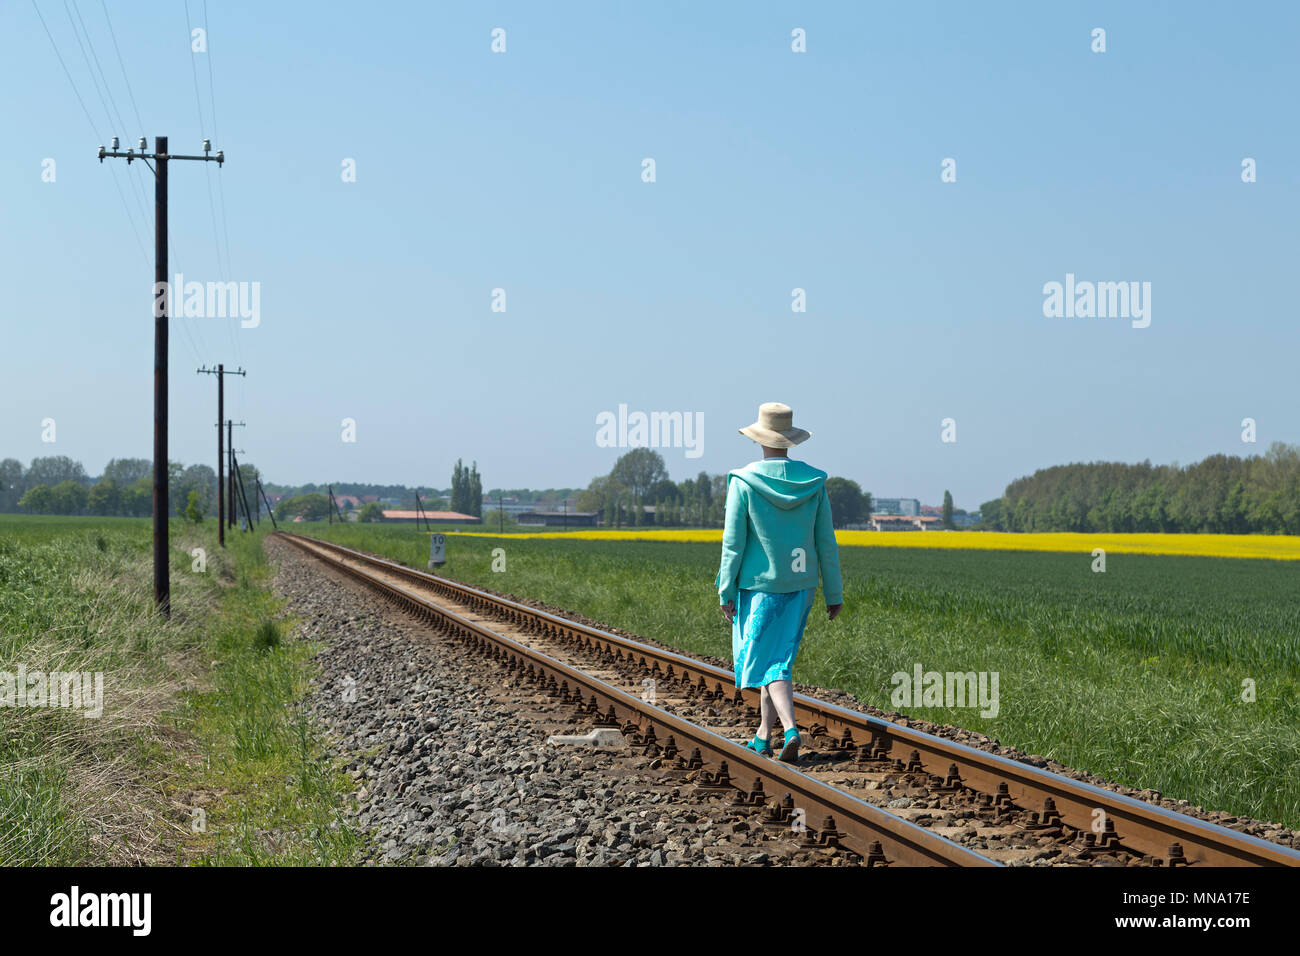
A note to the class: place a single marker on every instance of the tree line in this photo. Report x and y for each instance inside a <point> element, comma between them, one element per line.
<point>465,497</point>
<point>638,491</point>
<point>1222,494</point>
<point>59,485</point>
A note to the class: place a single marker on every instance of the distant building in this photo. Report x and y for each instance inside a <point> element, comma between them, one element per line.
<point>895,506</point>
<point>882,522</point>
<point>511,506</point>
<point>558,519</point>
<point>434,517</point>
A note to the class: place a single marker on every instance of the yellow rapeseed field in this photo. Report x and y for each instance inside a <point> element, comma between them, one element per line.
<point>1276,547</point>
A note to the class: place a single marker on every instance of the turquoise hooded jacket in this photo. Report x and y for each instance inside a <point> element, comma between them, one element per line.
<point>778,533</point>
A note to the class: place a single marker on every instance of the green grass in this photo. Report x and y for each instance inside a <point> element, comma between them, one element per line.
<point>1135,674</point>
<point>199,714</point>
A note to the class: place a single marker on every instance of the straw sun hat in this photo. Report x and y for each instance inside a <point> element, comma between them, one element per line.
<point>775,427</point>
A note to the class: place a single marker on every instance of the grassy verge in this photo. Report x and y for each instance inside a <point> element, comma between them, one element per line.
<point>201,754</point>
<point>1140,674</point>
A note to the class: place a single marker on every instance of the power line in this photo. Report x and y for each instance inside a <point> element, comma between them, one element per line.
<point>136,187</point>
<point>216,135</point>
<point>65,70</point>
<point>136,190</point>
<point>107,89</point>
<point>198,102</point>
<point>109,113</point>
<point>194,71</point>
<point>76,36</point>
<point>93,128</point>
<point>222,267</point>
<point>121,63</point>
<point>175,319</point>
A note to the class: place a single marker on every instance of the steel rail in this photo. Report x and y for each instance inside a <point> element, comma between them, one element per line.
<point>879,838</point>
<point>1166,836</point>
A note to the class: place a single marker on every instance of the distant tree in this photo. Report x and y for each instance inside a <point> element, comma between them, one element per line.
<point>704,487</point>
<point>717,500</point>
<point>664,491</point>
<point>638,471</point>
<point>137,498</point>
<point>68,498</point>
<point>371,511</point>
<point>460,489</point>
<point>251,475</point>
<point>37,499</point>
<point>475,492</point>
<point>312,507</point>
<point>126,471</point>
<point>991,515</point>
<point>55,469</point>
<point>947,510</point>
<point>848,504</point>
<point>193,510</point>
<point>602,495</point>
<point>103,498</point>
<point>202,480</point>
<point>11,484</point>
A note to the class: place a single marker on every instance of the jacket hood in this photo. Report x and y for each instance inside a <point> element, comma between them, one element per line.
<point>785,483</point>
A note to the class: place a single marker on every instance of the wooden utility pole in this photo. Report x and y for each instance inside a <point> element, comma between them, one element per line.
<point>230,469</point>
<point>162,585</point>
<point>243,496</point>
<point>419,513</point>
<point>269,510</point>
<point>334,507</point>
<point>162,592</point>
<point>221,454</point>
<point>221,373</point>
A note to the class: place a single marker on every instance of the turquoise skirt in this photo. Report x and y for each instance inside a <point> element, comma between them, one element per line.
<point>765,634</point>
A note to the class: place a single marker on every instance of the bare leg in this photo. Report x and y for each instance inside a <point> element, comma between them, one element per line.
<point>766,714</point>
<point>781,693</point>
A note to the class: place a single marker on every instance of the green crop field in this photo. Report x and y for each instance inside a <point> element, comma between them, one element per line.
<point>1141,674</point>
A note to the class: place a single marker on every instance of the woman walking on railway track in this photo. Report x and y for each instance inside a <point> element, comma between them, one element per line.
<point>778,537</point>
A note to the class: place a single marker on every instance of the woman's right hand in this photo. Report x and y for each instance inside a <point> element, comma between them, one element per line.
<point>832,610</point>
<point>729,611</point>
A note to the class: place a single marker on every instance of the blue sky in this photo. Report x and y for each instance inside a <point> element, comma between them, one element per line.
<point>774,170</point>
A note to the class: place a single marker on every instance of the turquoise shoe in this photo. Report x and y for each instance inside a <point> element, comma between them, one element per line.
<point>759,746</point>
<point>790,752</point>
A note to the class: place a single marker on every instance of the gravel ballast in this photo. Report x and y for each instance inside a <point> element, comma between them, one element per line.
<point>452,766</point>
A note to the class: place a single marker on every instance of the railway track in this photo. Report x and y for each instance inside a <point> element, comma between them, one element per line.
<point>887,794</point>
